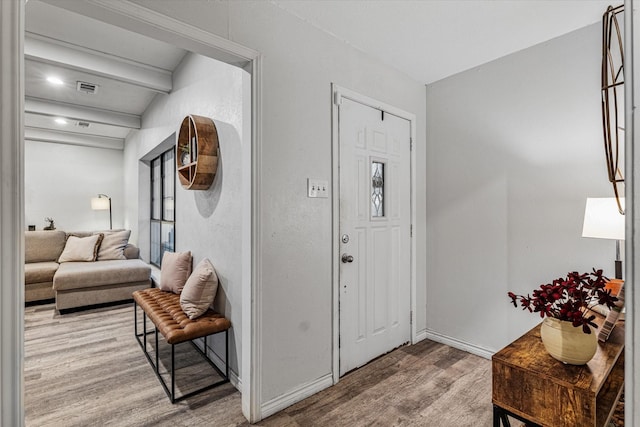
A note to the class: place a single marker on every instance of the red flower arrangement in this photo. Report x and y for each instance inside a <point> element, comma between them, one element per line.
<point>569,298</point>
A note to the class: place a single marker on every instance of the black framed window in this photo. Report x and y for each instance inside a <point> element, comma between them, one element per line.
<point>163,214</point>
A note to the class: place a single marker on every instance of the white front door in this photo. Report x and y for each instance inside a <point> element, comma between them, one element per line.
<point>375,205</point>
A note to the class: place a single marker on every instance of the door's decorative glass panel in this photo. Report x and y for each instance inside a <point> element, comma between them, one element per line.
<point>377,189</point>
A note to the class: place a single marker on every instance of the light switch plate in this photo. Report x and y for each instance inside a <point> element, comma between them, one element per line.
<point>317,188</point>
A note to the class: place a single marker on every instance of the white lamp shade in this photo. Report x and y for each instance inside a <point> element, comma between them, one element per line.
<point>602,219</point>
<point>100,203</point>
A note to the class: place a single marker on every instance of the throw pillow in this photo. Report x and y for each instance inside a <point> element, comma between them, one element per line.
<point>113,244</point>
<point>200,290</point>
<point>175,270</point>
<point>81,248</point>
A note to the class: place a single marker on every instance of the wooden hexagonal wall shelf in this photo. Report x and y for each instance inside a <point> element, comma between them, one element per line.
<point>197,152</point>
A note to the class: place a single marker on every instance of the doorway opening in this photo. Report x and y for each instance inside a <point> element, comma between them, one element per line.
<point>129,16</point>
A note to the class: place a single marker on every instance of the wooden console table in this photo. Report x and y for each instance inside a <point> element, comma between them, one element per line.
<point>530,385</point>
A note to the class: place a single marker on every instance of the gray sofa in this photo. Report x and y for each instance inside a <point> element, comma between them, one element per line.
<point>78,284</point>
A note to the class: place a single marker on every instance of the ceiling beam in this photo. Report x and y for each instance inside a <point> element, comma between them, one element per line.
<point>50,51</point>
<point>156,25</point>
<point>81,113</point>
<point>71,138</point>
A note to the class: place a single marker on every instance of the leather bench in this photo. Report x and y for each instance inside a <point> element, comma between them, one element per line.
<point>164,311</point>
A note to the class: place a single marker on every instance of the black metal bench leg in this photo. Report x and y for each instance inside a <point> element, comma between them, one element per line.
<point>144,330</point>
<point>157,351</point>
<point>226,350</point>
<point>173,374</point>
<point>135,318</point>
<point>500,417</point>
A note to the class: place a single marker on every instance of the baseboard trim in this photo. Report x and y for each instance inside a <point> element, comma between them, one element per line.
<point>299,393</point>
<point>460,345</point>
<point>421,336</point>
<point>235,380</point>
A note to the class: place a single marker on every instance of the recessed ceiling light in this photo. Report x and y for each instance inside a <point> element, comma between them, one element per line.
<point>61,121</point>
<point>55,80</point>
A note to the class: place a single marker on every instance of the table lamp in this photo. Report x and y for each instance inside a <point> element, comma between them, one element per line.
<point>603,220</point>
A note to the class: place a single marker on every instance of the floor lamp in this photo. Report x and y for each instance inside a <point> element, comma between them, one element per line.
<point>603,220</point>
<point>102,203</point>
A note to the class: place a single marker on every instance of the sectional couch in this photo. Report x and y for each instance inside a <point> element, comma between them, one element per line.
<point>56,267</point>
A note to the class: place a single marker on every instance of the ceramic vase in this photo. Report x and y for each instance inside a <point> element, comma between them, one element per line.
<point>567,343</point>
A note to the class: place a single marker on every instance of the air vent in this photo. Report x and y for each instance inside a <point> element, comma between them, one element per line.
<point>83,125</point>
<point>86,87</point>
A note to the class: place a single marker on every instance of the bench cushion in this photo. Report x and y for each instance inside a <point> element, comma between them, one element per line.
<point>75,275</point>
<point>163,308</point>
<point>39,272</point>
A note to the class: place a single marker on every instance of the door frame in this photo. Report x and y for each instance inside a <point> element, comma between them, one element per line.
<point>337,93</point>
<point>137,18</point>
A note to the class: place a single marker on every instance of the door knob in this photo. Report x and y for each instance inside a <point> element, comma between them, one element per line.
<point>347,258</point>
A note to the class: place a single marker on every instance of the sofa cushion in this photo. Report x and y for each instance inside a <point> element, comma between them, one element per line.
<point>113,244</point>
<point>81,233</point>
<point>39,272</point>
<point>43,245</point>
<point>131,251</point>
<point>74,275</point>
<point>200,290</point>
<point>81,248</point>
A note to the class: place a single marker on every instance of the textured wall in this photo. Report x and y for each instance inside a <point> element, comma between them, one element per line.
<point>299,64</point>
<point>514,150</point>
<point>208,222</point>
<point>60,181</point>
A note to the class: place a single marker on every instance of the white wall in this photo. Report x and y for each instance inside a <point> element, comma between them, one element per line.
<point>60,181</point>
<point>632,296</point>
<point>299,64</point>
<point>514,149</point>
<point>208,222</point>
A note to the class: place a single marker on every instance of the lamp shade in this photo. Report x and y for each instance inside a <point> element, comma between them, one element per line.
<point>602,219</point>
<point>100,203</point>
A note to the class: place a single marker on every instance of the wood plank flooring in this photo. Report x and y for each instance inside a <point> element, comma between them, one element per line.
<point>86,369</point>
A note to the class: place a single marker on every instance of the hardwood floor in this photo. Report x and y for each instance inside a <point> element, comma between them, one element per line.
<point>86,369</point>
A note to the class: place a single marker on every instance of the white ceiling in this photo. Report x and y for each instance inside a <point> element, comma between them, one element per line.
<point>428,40</point>
<point>129,69</point>
<point>433,39</point>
